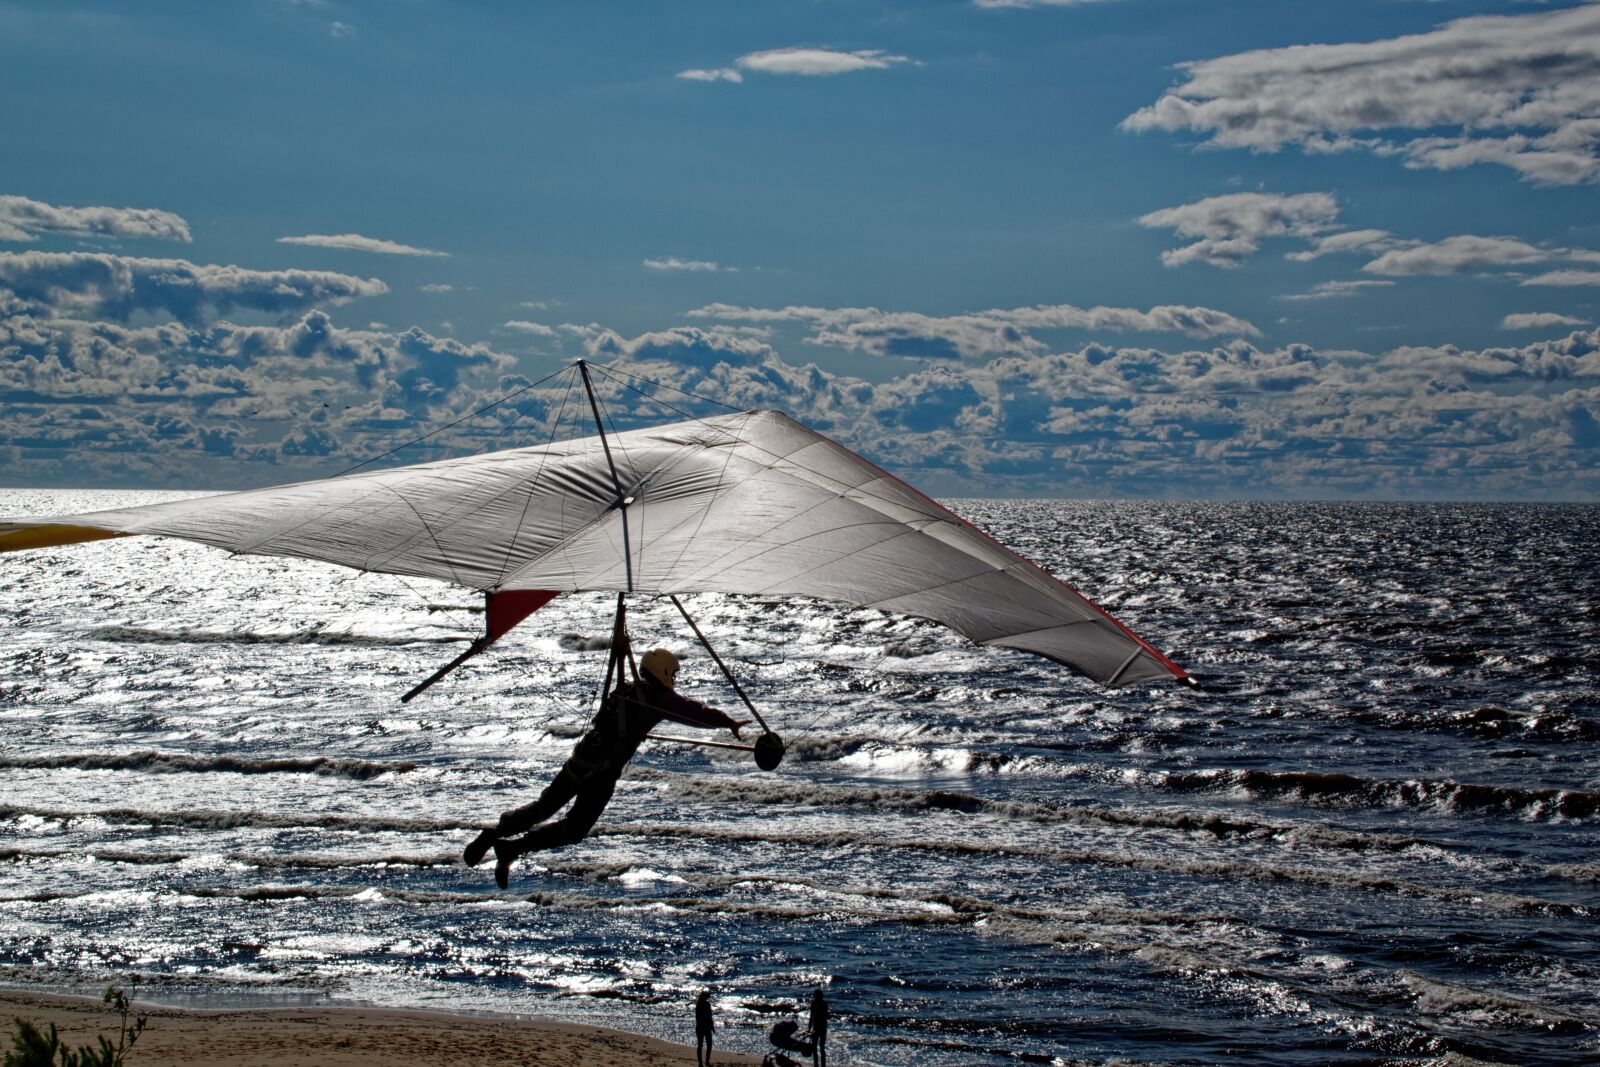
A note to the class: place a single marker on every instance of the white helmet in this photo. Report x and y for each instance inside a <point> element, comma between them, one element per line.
<point>660,665</point>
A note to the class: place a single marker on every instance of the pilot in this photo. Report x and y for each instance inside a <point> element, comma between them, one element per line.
<point>590,774</point>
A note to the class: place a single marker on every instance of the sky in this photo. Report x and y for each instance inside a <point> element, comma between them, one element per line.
<point>1081,248</point>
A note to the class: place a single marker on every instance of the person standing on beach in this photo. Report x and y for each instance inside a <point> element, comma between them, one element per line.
<point>819,1029</point>
<point>590,774</point>
<point>703,1029</point>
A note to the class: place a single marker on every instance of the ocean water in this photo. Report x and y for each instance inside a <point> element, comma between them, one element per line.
<point>1371,837</point>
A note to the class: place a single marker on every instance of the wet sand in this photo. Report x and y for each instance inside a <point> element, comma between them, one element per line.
<point>344,1037</point>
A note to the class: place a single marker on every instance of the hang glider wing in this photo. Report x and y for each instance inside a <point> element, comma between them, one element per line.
<point>752,503</point>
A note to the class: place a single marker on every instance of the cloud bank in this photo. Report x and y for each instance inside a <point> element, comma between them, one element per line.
<point>224,405</point>
<point>1520,91</point>
<point>80,283</point>
<point>979,334</point>
<point>22,219</point>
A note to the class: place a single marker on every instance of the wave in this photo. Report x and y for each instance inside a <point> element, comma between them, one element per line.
<point>1441,998</point>
<point>890,798</point>
<point>1349,789</point>
<point>177,762</point>
<point>203,819</point>
<point>1226,870</point>
<point>1485,721</point>
<point>141,636</point>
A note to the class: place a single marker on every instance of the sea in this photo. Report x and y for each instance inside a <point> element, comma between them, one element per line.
<point>1370,837</point>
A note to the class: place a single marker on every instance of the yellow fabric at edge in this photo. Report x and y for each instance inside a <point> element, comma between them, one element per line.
<point>47,535</point>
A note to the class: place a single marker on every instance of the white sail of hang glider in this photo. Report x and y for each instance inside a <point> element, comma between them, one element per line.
<point>751,503</point>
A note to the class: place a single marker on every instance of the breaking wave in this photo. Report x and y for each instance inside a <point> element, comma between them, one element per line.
<point>1349,789</point>
<point>889,798</point>
<point>178,763</point>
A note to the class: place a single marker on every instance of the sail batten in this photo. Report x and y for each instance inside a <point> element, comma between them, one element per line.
<point>752,503</point>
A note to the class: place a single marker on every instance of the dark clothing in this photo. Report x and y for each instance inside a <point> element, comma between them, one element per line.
<point>704,1028</point>
<point>819,1029</point>
<point>590,774</point>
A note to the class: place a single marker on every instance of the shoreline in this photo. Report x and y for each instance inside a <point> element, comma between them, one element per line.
<point>343,1036</point>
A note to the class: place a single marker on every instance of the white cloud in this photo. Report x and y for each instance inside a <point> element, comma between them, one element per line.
<point>1335,289</point>
<point>51,283</point>
<point>341,29</point>
<point>538,329</point>
<point>1231,420</point>
<point>1456,254</point>
<point>818,61</point>
<point>674,263</point>
<point>718,74</point>
<point>1348,241</point>
<point>1539,320</point>
<point>199,405</point>
<point>1231,227</point>
<point>22,219</point>
<point>168,402</point>
<point>437,287</point>
<point>1522,91</point>
<point>354,242</point>
<point>681,346</point>
<point>806,62</point>
<point>1565,278</point>
<point>978,334</point>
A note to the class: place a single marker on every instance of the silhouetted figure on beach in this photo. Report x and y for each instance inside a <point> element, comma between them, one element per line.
<point>703,1029</point>
<point>783,1037</point>
<point>819,1029</point>
<point>590,774</point>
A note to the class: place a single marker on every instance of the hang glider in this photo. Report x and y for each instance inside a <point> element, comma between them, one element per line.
<point>753,503</point>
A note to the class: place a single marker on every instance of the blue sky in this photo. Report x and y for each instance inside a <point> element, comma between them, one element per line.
<point>1107,248</point>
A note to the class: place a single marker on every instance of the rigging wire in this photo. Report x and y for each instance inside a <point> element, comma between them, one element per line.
<point>452,425</point>
<point>659,385</point>
<point>533,484</point>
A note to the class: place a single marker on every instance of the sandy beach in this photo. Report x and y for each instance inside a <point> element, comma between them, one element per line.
<point>358,1037</point>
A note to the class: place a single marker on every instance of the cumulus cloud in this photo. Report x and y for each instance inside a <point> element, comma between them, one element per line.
<point>1456,254</point>
<point>160,402</point>
<point>1565,278</point>
<point>163,403</point>
<point>1335,289</point>
<point>1539,320</point>
<point>538,329</point>
<point>675,263</point>
<point>1230,228</point>
<point>718,74</point>
<point>22,219</point>
<point>680,346</point>
<point>118,287</point>
<point>1521,91</point>
<point>978,334</point>
<point>354,242</point>
<point>807,62</point>
<point>1348,241</point>
<point>1226,420</point>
